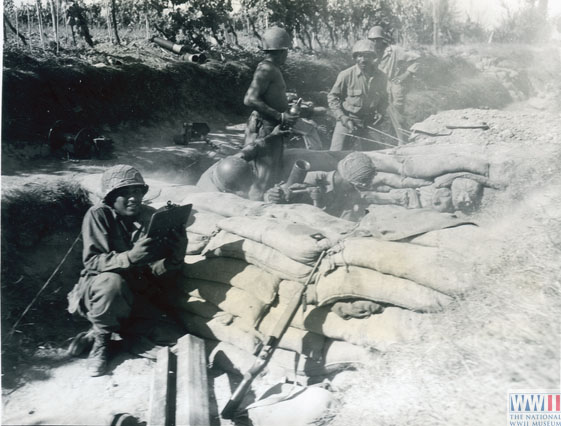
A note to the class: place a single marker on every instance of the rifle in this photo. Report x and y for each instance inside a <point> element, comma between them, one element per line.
<point>267,348</point>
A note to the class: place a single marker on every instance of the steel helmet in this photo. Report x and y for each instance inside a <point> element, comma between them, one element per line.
<point>357,168</point>
<point>276,38</point>
<point>376,32</point>
<point>120,176</point>
<point>232,174</point>
<point>364,45</point>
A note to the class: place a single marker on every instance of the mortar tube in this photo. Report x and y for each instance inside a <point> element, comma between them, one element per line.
<point>298,173</point>
<point>168,45</point>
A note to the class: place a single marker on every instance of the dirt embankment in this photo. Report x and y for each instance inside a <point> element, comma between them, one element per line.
<point>134,85</point>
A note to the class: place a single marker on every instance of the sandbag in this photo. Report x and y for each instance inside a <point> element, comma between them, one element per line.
<point>196,243</point>
<point>337,352</point>
<point>222,203</point>
<point>282,365</point>
<point>229,299</point>
<point>332,227</point>
<point>394,325</point>
<point>436,268</point>
<point>203,222</point>
<point>297,340</point>
<point>219,329</point>
<point>430,166</point>
<point>385,161</point>
<point>393,223</point>
<point>287,289</point>
<point>396,181</point>
<point>360,283</point>
<point>299,242</point>
<point>236,273</point>
<point>225,244</point>
<point>287,404</point>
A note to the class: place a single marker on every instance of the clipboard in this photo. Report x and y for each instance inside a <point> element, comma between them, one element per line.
<point>167,219</point>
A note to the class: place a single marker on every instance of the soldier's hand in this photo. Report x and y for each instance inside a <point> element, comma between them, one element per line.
<point>279,130</point>
<point>349,124</point>
<point>297,186</point>
<point>274,195</point>
<point>143,251</point>
<point>289,119</point>
<point>413,68</point>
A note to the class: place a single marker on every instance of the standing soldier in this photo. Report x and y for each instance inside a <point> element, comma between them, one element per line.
<point>267,96</point>
<point>358,98</point>
<point>399,66</point>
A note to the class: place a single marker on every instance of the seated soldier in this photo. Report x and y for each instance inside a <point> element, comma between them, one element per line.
<point>336,192</point>
<point>123,269</point>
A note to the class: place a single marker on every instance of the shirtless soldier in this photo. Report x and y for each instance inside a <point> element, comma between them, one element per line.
<point>267,96</point>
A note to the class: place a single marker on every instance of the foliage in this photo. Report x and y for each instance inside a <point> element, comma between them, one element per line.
<point>528,25</point>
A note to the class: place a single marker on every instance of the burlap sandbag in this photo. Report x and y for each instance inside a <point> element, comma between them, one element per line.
<point>385,161</point>
<point>432,267</point>
<point>225,244</point>
<point>203,222</point>
<point>336,352</point>
<point>332,227</point>
<point>301,243</point>
<point>460,239</point>
<point>222,203</point>
<point>196,243</point>
<point>219,328</point>
<point>297,340</point>
<point>379,331</point>
<point>393,223</point>
<point>231,358</point>
<point>288,404</point>
<point>396,181</point>
<point>361,283</point>
<point>236,273</point>
<point>229,299</point>
<point>287,289</point>
<point>430,166</point>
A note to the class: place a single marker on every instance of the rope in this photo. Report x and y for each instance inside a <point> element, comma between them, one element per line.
<point>10,334</point>
<point>366,139</point>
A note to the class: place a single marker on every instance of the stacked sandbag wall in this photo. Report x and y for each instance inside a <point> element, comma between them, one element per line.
<point>258,256</point>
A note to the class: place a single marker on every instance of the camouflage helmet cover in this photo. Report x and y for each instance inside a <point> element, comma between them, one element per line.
<point>120,176</point>
<point>357,168</point>
<point>364,45</point>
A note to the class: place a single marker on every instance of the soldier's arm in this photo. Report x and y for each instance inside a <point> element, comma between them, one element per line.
<point>262,78</point>
<point>335,97</point>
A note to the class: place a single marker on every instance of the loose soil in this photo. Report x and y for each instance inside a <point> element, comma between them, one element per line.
<point>505,335</point>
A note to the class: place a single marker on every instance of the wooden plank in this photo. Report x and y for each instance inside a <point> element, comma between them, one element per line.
<point>192,404</point>
<point>161,394</point>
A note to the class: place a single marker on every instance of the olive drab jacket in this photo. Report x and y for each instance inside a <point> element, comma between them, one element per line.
<point>357,95</point>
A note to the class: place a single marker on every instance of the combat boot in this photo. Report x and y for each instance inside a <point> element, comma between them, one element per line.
<point>81,343</point>
<point>99,355</point>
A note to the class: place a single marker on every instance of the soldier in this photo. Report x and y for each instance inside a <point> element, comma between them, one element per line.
<point>123,268</point>
<point>358,98</point>
<point>399,66</point>
<point>337,192</point>
<point>267,96</point>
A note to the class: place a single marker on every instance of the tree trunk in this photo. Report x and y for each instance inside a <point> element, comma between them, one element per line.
<point>17,23</point>
<point>147,25</point>
<point>108,19</point>
<point>55,24</point>
<point>114,21</point>
<point>435,25</point>
<point>9,25</point>
<point>40,20</point>
<point>28,25</point>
